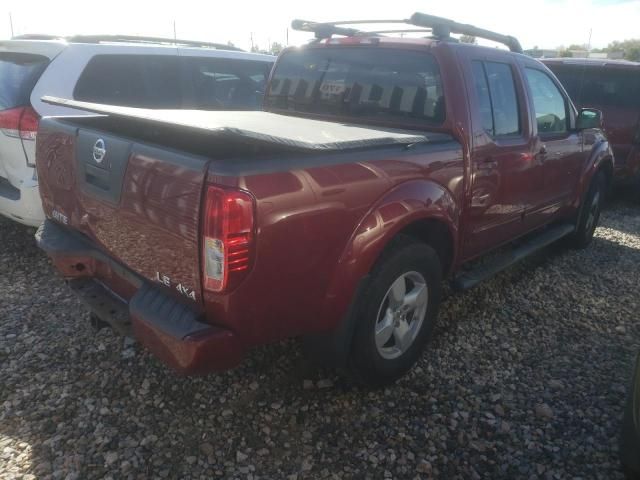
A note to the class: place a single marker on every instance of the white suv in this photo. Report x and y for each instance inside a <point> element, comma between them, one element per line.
<point>129,71</point>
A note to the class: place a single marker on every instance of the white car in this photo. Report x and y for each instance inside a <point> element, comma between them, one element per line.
<point>129,71</point>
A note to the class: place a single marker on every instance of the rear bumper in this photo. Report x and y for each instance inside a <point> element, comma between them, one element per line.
<point>21,203</point>
<point>170,329</point>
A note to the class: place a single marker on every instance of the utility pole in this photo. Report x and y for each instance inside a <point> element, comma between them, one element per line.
<point>251,36</point>
<point>11,24</point>
<point>589,44</point>
<point>287,37</point>
<point>175,37</point>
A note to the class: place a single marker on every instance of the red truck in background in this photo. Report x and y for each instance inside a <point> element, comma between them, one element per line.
<point>380,167</point>
<point>613,87</point>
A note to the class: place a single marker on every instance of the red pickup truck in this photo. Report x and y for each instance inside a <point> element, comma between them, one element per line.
<point>381,167</point>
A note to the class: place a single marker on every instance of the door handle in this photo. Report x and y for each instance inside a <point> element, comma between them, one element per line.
<point>488,164</point>
<point>542,153</point>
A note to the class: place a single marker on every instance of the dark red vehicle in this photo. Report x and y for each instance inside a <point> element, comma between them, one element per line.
<point>381,167</point>
<point>629,446</point>
<point>612,86</point>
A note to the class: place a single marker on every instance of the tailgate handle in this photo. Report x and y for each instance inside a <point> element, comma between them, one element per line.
<point>98,177</point>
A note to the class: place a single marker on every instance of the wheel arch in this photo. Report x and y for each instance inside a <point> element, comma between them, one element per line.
<point>601,159</point>
<point>606,166</point>
<point>437,234</point>
<point>421,209</point>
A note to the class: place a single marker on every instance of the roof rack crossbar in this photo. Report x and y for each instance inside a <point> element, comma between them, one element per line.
<point>443,28</point>
<point>399,30</point>
<point>360,22</point>
<point>327,29</point>
<point>440,27</point>
<point>323,30</point>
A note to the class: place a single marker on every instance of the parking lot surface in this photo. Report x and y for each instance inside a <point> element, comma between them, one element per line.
<point>525,378</point>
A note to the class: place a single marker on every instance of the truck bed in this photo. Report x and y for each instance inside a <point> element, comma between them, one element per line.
<point>261,128</point>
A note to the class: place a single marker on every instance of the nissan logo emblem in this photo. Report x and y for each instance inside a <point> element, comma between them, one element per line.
<point>99,151</point>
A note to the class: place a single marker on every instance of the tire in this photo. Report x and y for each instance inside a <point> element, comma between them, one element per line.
<point>393,307</point>
<point>589,213</point>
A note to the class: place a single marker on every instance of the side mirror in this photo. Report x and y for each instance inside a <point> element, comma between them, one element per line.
<point>589,118</point>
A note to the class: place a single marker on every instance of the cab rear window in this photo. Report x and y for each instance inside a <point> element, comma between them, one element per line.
<point>359,82</point>
<point>19,73</point>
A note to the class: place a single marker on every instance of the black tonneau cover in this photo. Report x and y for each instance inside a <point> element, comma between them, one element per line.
<point>265,127</point>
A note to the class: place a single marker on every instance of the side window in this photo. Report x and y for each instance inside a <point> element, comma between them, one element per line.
<point>498,102</point>
<point>146,81</point>
<point>484,97</point>
<point>548,103</point>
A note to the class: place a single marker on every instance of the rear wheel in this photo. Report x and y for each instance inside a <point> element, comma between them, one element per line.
<point>397,313</point>
<point>590,213</point>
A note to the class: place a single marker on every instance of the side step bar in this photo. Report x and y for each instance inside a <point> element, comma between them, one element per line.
<point>471,278</point>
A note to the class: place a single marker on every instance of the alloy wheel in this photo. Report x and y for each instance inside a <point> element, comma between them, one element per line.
<point>401,314</point>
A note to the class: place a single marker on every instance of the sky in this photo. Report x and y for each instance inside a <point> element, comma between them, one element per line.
<point>541,23</point>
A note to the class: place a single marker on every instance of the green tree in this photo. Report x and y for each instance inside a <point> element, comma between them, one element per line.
<point>633,54</point>
<point>630,48</point>
<point>468,39</point>
<point>276,48</point>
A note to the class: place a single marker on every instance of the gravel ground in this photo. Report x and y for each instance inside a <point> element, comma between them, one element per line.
<point>525,379</point>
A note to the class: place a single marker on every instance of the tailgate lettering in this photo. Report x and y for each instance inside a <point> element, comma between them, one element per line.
<point>183,290</point>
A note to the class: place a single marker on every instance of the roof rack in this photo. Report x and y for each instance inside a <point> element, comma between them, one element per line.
<point>443,27</point>
<point>327,29</point>
<point>142,39</point>
<point>37,36</point>
<point>440,28</point>
<point>126,39</point>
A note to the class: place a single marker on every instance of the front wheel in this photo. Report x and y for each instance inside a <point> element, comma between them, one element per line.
<point>590,213</point>
<point>397,313</point>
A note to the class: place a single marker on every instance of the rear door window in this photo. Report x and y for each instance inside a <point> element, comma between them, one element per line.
<point>19,73</point>
<point>173,82</point>
<point>497,99</point>
<point>359,82</point>
<point>481,85</point>
<point>548,103</point>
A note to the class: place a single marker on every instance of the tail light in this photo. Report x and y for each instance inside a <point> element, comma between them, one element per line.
<point>227,237</point>
<point>22,123</point>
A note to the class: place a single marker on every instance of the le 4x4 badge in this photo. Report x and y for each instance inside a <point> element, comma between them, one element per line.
<point>184,291</point>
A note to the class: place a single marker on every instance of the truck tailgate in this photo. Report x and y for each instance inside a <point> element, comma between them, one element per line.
<point>138,203</point>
